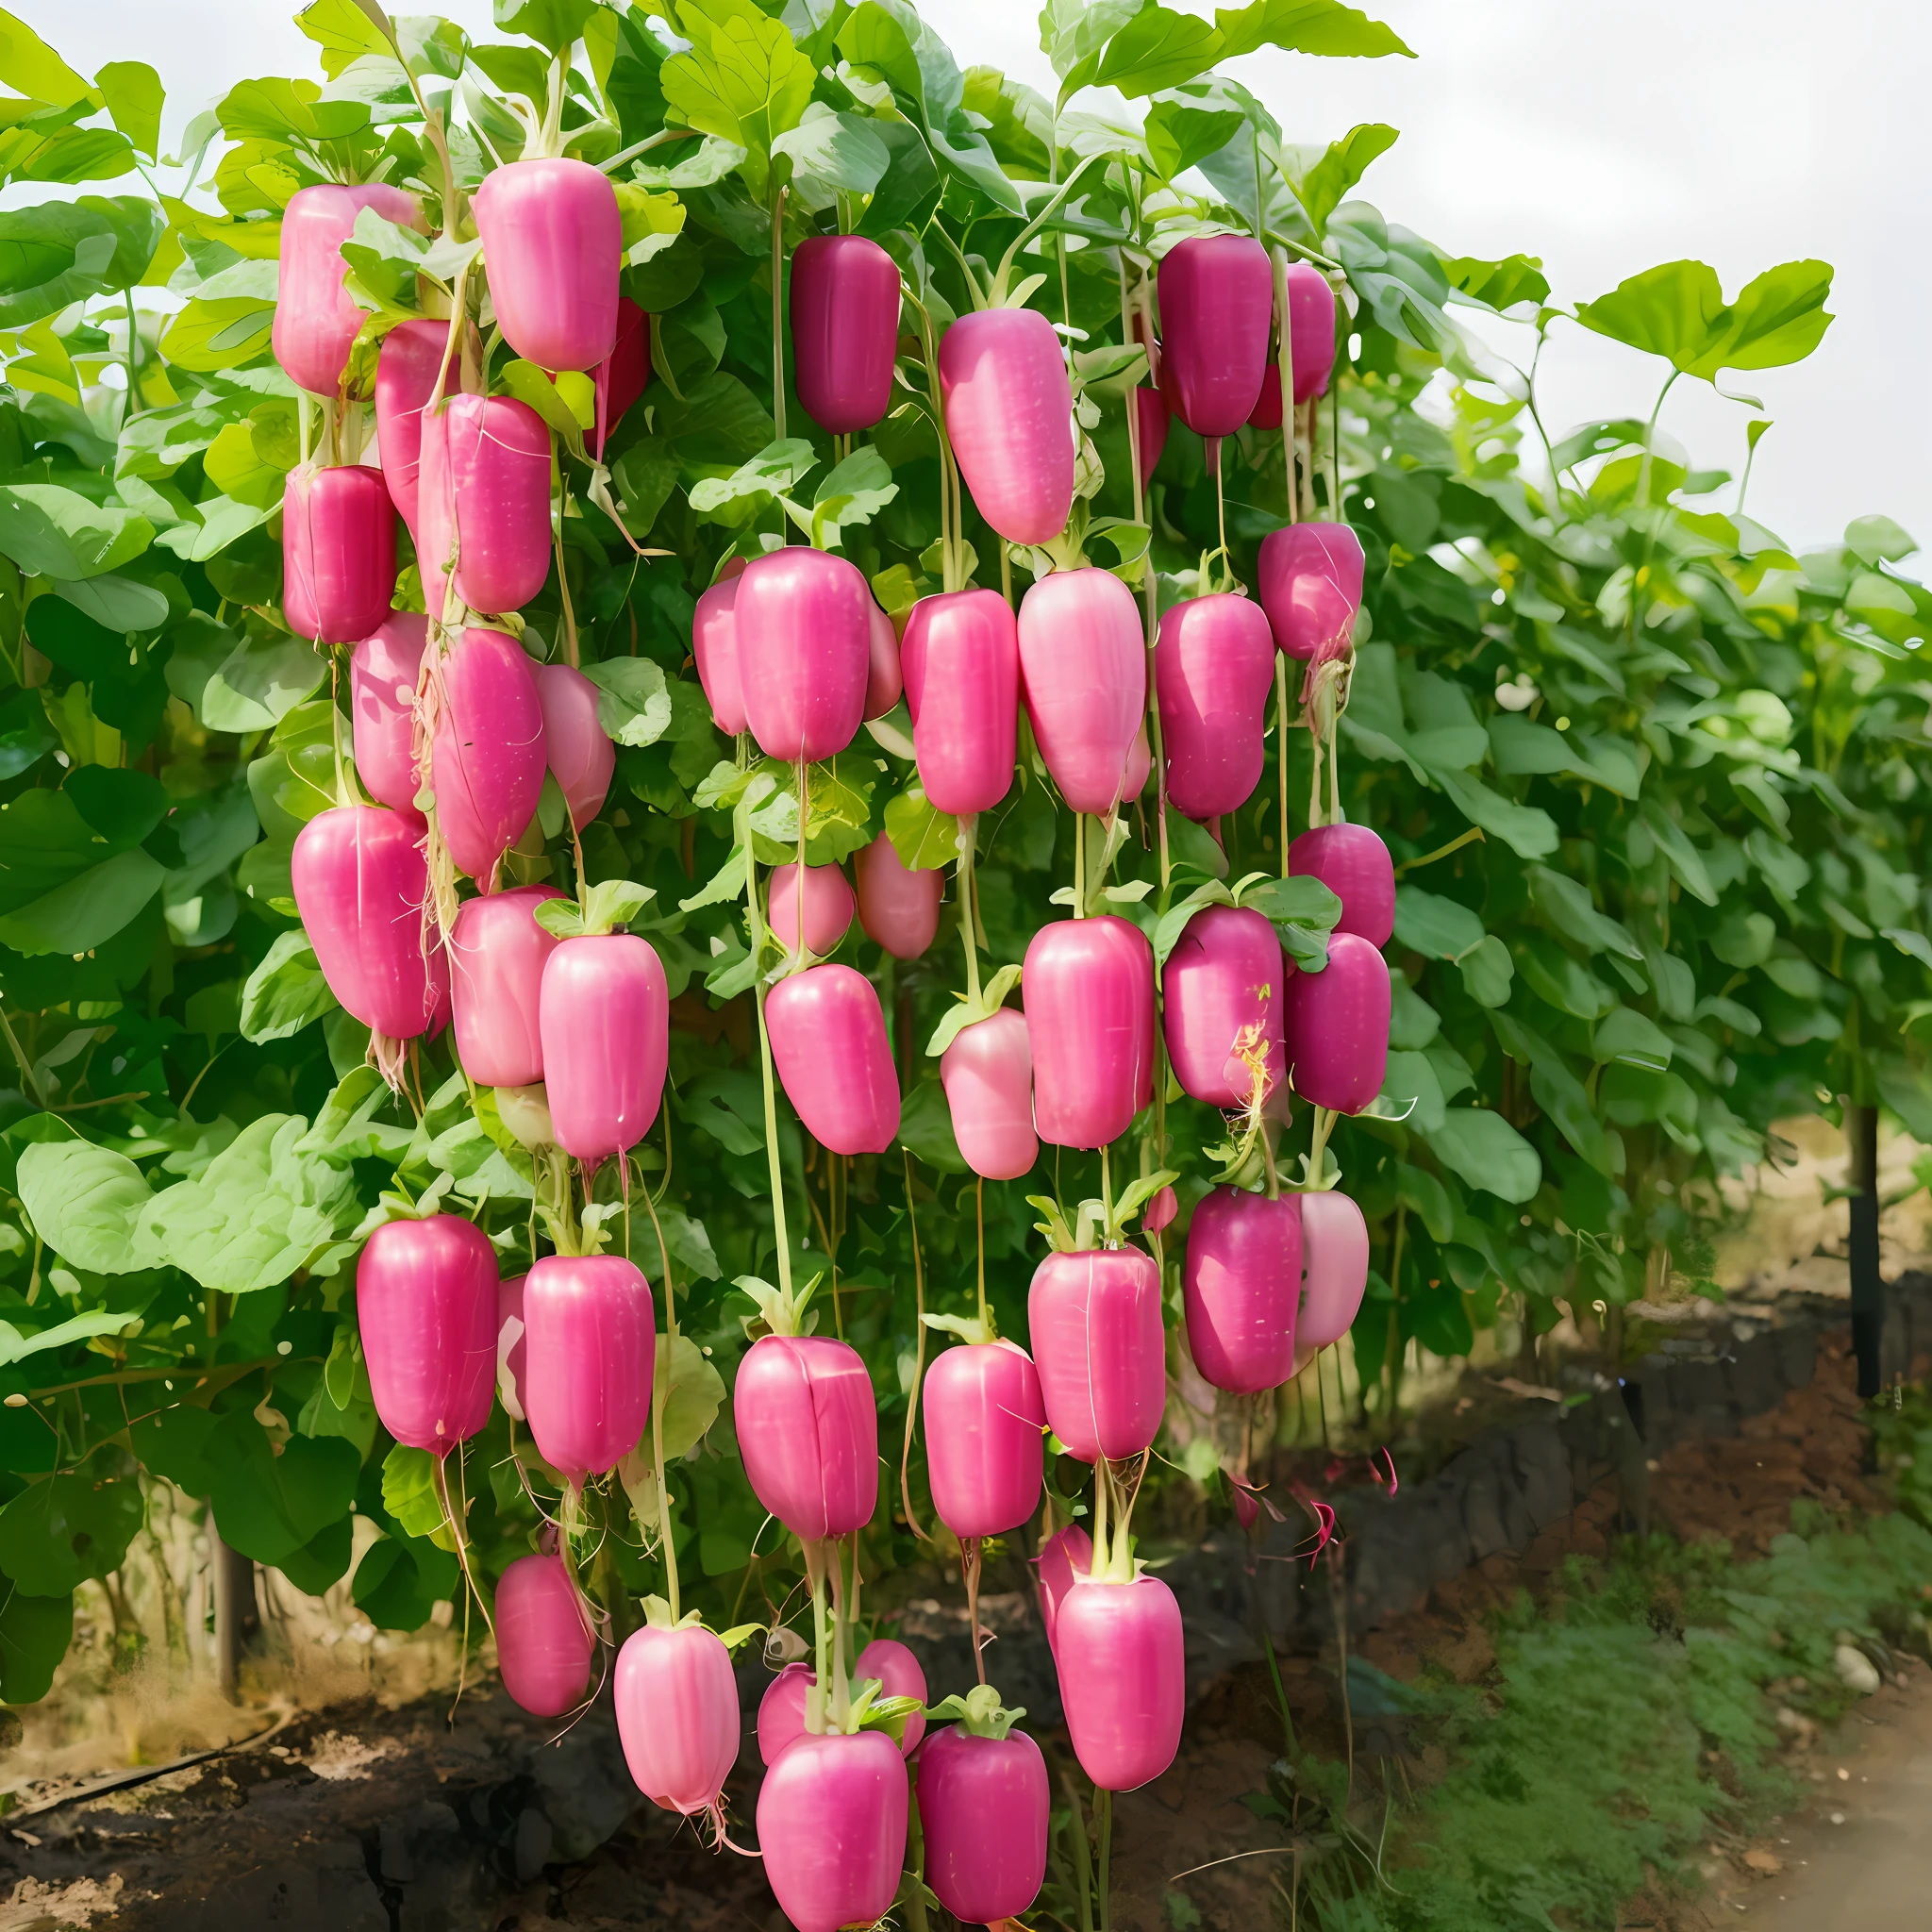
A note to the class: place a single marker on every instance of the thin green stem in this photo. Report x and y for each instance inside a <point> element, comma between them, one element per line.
<point>967,839</point>
<point>815,1554</point>
<point>775,1167</point>
<point>660,1397</point>
<point>979,1218</point>
<point>1281,748</point>
<point>1103,1800</point>
<point>778,314</point>
<point>1284,360</point>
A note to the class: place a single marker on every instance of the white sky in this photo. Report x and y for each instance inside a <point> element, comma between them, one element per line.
<point>1603,138</point>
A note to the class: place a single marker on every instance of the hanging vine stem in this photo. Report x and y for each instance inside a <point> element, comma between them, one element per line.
<point>775,1167</point>
<point>912,1521</point>
<point>968,916</point>
<point>778,321</point>
<point>661,1393</point>
<point>1150,587</point>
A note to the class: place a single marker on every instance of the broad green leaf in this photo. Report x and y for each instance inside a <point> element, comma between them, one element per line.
<point>409,1493</point>
<point>833,154</point>
<point>634,702</point>
<point>775,470</point>
<point>742,79</point>
<point>853,494</point>
<point>57,532</point>
<point>286,992</point>
<point>1560,981</point>
<point>1483,1151</point>
<point>58,1532</point>
<point>1625,1035</point>
<point>32,68</point>
<point>1879,540</point>
<point>1677,310</point>
<point>553,24</point>
<point>925,839</point>
<point>400,1580</point>
<point>35,1632</point>
<point>651,221</point>
<point>260,683</point>
<point>84,1201</point>
<point>1412,1092</point>
<point>16,1347</point>
<point>1187,124</point>
<point>1499,285</point>
<point>117,602</point>
<point>1438,928</point>
<point>1306,26</point>
<point>1322,177</point>
<point>133,92</point>
<point>1569,908</point>
<point>88,910</point>
<point>219,334</point>
<point>270,1505</point>
<point>344,31</point>
<point>1487,972</point>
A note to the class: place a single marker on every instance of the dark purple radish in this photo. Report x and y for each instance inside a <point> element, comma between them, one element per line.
<point>1336,1031</point>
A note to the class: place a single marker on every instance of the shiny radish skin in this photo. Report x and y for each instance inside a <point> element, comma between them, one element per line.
<point>1309,580</point>
<point>497,953</point>
<point>985,1426</point>
<point>604,1015</point>
<point>1123,1674</point>
<point>677,1717</point>
<point>1335,1268</point>
<point>823,899</point>
<point>623,374</point>
<point>543,1644</point>
<point>1217,304</point>
<point>509,1346</point>
<point>1100,1349</point>
<point>988,1076</point>
<point>984,1807</point>
<point>962,659</point>
<point>1083,671</point>
<point>1311,330</point>
<point>405,372</point>
<point>844,330</point>
<point>316,322</point>
<point>1010,415</point>
<point>576,747</point>
<point>714,644</point>
<point>425,1305</point>
<point>487,753</point>
<point>885,678</point>
<point>383,670</point>
<point>1223,992</point>
<point>1089,986</point>
<point>486,478</point>
<point>801,625</point>
<point>808,1432</point>
<point>781,1711</point>
<point>552,246</point>
<point>831,1818</point>
<point>1213,674</point>
<point>589,1349</point>
<point>899,1675</point>
<point>1241,1287</point>
<point>1065,1555</point>
<point>834,1061</point>
<point>1154,414</point>
<point>1354,863</point>
<point>338,553</point>
<point>898,907</point>
<point>1336,1026</point>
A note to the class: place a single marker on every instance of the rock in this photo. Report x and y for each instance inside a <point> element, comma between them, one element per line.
<point>1856,1670</point>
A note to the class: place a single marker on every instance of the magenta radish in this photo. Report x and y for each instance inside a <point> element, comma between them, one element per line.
<point>316,322</point>
<point>802,627</point>
<point>589,1350</point>
<point>483,498</point>
<point>543,1643</point>
<point>575,745</point>
<point>1009,416</point>
<point>898,908</point>
<point>1266,414</point>
<point>623,374</point>
<point>412,355</point>
<point>509,1346</point>
<point>1222,1006</point>
<point>1354,863</point>
<point>1160,1211</point>
<point>1312,329</point>
<point>1335,1268</point>
<point>1241,1287</point>
<point>988,1076</point>
<point>985,1424</point>
<point>605,1016</point>
<point>383,670</point>
<point>1122,1673</point>
<point>898,1673</point>
<point>497,953</point>
<point>1065,1555</point>
<point>1083,669</point>
<point>831,1822</point>
<point>553,244</point>
<point>1217,302</point>
<point>1088,986</point>
<point>961,658</point>
<point>822,902</point>
<point>1152,407</point>
<point>714,644</point>
<point>829,1044</point>
<point>844,330</point>
<point>677,1717</point>
<point>781,1711</point>
<point>985,1806</point>
<point>884,678</point>
<point>338,553</point>
<point>1094,1318</point>
<point>809,1431</point>
<point>1337,1026</point>
<point>487,752</point>
<point>1310,584</point>
<point>1213,669</point>
<point>425,1304</point>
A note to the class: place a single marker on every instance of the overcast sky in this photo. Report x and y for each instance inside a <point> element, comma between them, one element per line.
<point>1603,139</point>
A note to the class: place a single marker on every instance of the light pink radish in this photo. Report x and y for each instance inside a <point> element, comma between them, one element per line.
<point>1241,1287</point>
<point>714,644</point>
<point>577,748</point>
<point>1122,1673</point>
<point>1213,671</point>
<point>829,1044</point>
<point>426,1304</point>
<point>316,322</point>
<point>1065,1555</point>
<point>543,1643</point>
<point>553,245</point>
<point>831,1822</point>
<point>781,1711</point>
<point>623,374</point>
<point>961,656</point>
<point>483,498</point>
<point>509,1346</point>
<point>1222,1005</point>
<point>984,1807</point>
<point>1312,329</point>
<point>604,1017</point>
<point>1088,986</point>
<point>988,1076</point>
<point>1217,300</point>
<point>802,625</point>
<point>1354,863</point>
<point>1335,1268</point>
<point>497,956</point>
<point>677,1717</point>
<point>1083,668</point>
<point>808,1429</point>
<point>824,899</point>
<point>1009,416</point>
<point>985,1424</point>
<point>1309,579</point>
<point>845,306</point>
<point>1337,1026</point>
<point>405,372</point>
<point>1139,766</point>
<point>884,679</point>
<point>338,553</point>
<point>589,1348</point>
<point>1098,1344</point>
<point>899,909</point>
<point>383,669</point>
<point>487,753</point>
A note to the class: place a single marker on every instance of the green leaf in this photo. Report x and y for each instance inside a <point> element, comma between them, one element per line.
<point>1438,928</point>
<point>1322,185</point>
<point>1488,971</point>
<point>1159,49</point>
<point>399,1581</point>
<point>86,911</point>
<point>775,470</point>
<point>1413,1092</point>
<point>1567,905</point>
<point>1879,540</point>
<point>633,699</point>
<point>259,683</point>
<point>58,533</point>
<point>696,1396</point>
<point>83,1201</point>
<point>1677,310</point>
<point>1684,859</point>
<point>267,1505</point>
<point>133,92</point>
<point>58,1532</point>
<point>1625,1035</point>
<point>743,79</point>
<point>285,992</point>
<point>64,251</point>
<point>117,602</point>
<point>853,494</point>
<point>35,1632</point>
<point>925,839</point>
<point>1499,285</point>
<point>16,1347</point>
<point>344,31</point>
<point>1482,1150</point>
<point>1187,124</point>
<point>409,1493</point>
<point>833,154</point>
<point>1304,912</point>
<point>32,68</point>
<point>556,25</point>
<point>1308,26</point>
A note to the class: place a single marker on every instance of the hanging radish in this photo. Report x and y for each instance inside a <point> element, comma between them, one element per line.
<point>497,953</point>
<point>1094,1318</point>
<point>1309,579</point>
<point>831,1821</point>
<point>590,1351</point>
<point>484,499</point>
<point>1241,1287</point>
<point>829,1044</point>
<point>984,1424</point>
<point>962,659</point>
<point>802,626</point>
<point>604,1015</point>
<point>714,644</point>
<point>823,897</point>
<point>678,1716</point>
<point>576,747</point>
<point>1311,330</point>
<point>383,670</point>
<point>487,751</point>
<point>544,1644</point>
<point>1010,415</point>
<point>1123,1676</point>
<point>898,1673</point>
<point>338,553</point>
<point>988,1076</point>
<point>782,1709</point>
<point>985,1806</point>
<point>884,677</point>
<point>1222,1006</point>
<point>316,322</point>
<point>426,1304</point>
<point>844,330</point>
<point>808,1429</point>
<point>1335,1268</point>
<point>1068,1553</point>
<point>552,244</point>
<point>1213,669</point>
<point>1089,1021</point>
<point>1354,863</point>
<point>623,374</point>
<point>898,908</point>
<point>1337,1026</point>
<point>1083,667</point>
<point>1217,299</point>
<point>412,355</point>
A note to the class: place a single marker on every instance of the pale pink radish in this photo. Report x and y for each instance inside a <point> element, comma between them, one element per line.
<point>487,752</point>
<point>543,1643</point>
<point>985,1808</point>
<point>1222,1006</point>
<point>897,907</point>
<point>844,305</point>
<point>1217,300</point>
<point>714,644</point>
<point>808,1429</point>
<point>383,670</point>
<point>509,1346</point>
<point>823,899</point>
<point>1088,986</point>
<point>988,1076</point>
<point>677,1717</point>
<point>829,1044</point>
<point>483,499</point>
<point>961,658</point>
<point>781,1711</point>
<point>1100,1349</point>
<point>1312,329</point>
<point>1241,1287</point>
<point>426,1304</point>
<point>412,355</point>
<point>1122,1671</point>
<point>1009,416</point>
<point>497,955</point>
<point>1083,670</point>
<point>1065,1555</point>
<point>802,628</point>
<point>553,245</point>
<point>576,746</point>
<point>589,1349</point>
<point>831,1818</point>
<point>338,553</point>
<point>884,678</point>
<point>1213,671</point>
<point>1309,580</point>
<point>604,1017</point>
<point>1354,863</point>
<point>1335,1268</point>
<point>316,322</point>
<point>985,1424</point>
<point>1337,1026</point>
<point>1139,766</point>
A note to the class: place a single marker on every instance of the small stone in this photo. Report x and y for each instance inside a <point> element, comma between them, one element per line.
<point>1855,1670</point>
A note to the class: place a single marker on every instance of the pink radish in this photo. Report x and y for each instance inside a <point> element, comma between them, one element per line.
<point>576,746</point>
<point>828,1041</point>
<point>1354,863</point>
<point>1083,666</point>
<point>801,625</point>
<point>714,644</point>
<point>623,374</point>
<point>823,898</point>
<point>1312,329</point>
<point>553,244</point>
<point>1310,584</point>
<point>808,1429</point>
<point>1337,1026</point>
<point>988,1076</point>
<point>1241,1287</point>
<point>589,1349</point>
<point>1139,766</point>
<point>984,1428</point>
<point>1335,1265</point>
<point>781,1711</point>
<point>497,955</point>
<point>884,679</point>
<point>961,656</point>
<point>487,752</point>
<point>678,1716</point>
<point>832,1828</point>
<point>844,330</point>
<point>1090,1020</point>
<point>899,909</point>
<point>898,1673</point>
<point>1213,671</point>
<point>1223,1005</point>
<point>1217,300</point>
<point>605,1016</point>
<point>543,1643</point>
<point>1152,406</point>
<point>316,322</point>
<point>1123,1674</point>
<point>1094,1317</point>
<point>1266,414</point>
<point>406,370</point>
<point>484,498</point>
<point>985,1805</point>
<point>509,1346</point>
<point>1065,1555</point>
<point>425,1304</point>
<point>338,553</point>
<point>1159,1212</point>
<point>1009,416</point>
<point>383,670</point>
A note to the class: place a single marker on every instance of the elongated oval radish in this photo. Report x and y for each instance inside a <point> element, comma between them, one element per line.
<point>803,627</point>
<point>544,1642</point>
<point>898,907</point>
<point>1312,329</point>
<point>487,753</point>
<point>1335,1268</point>
<point>829,1044</point>
<point>1089,1021</point>
<point>405,372</point>
<point>984,1419</point>
<point>985,1806</point>
<point>605,1016</point>
<point>510,1345</point>
<point>1122,1673</point>
<point>1213,671</point>
<point>823,898</point>
<point>552,246</point>
<point>844,330</point>
<point>781,1711</point>
<point>1222,1005</point>
<point>1010,415</point>
<point>425,1304</point>
<point>1065,1555</point>
<point>988,1076</point>
<point>1083,669</point>
<point>677,1717</point>
<point>316,322</point>
<point>1098,1344</point>
<point>1337,1026</point>
<point>1354,863</point>
<point>383,670</point>
<point>809,1431</point>
<point>714,644</point>
<point>338,553</point>
<point>497,954</point>
<point>962,659</point>
<point>1152,407</point>
<point>1309,580</point>
<point>1241,1287</point>
<point>1217,300</point>
<point>484,498</point>
<point>884,677</point>
<point>623,374</point>
<point>831,1818</point>
<point>898,1674</point>
<point>589,1348</point>
<point>575,744</point>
